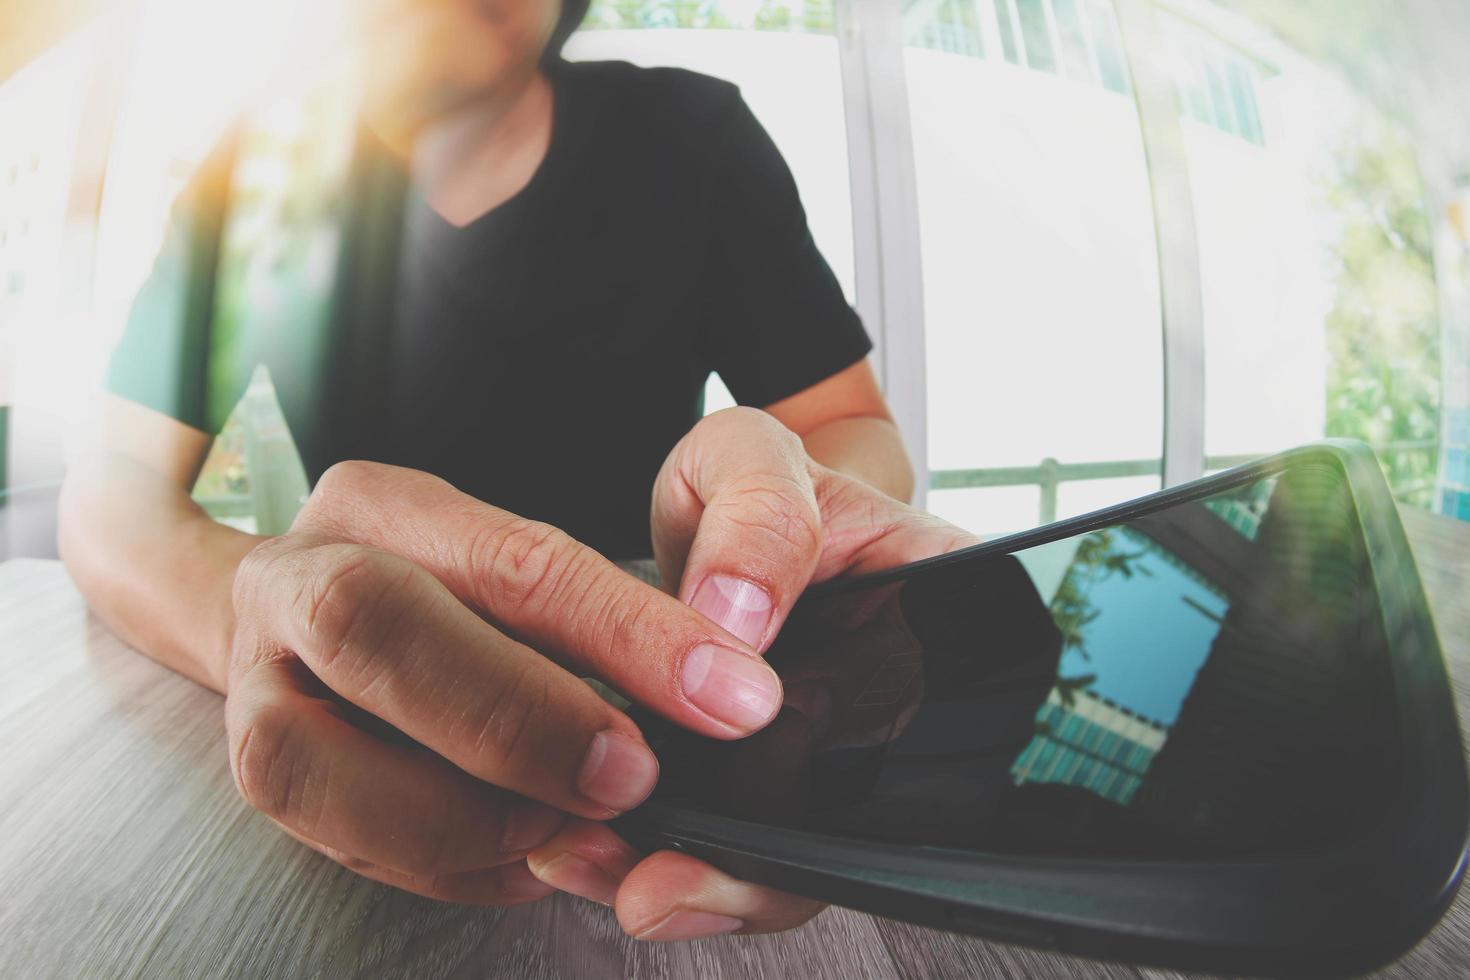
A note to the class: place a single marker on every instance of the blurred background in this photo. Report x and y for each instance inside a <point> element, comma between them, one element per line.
<point>1102,245</point>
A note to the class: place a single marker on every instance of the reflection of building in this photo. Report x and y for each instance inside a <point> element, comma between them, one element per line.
<point>1242,514</point>
<point>1095,744</point>
<point>1275,739</point>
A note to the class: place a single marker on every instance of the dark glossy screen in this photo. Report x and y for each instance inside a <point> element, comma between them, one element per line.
<point>1208,679</point>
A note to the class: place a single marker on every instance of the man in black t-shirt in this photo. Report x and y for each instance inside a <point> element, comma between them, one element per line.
<point>540,264</point>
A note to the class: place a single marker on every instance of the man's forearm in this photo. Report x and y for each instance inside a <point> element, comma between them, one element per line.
<point>866,448</point>
<point>152,564</point>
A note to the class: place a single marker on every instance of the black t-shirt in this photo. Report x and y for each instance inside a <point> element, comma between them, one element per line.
<point>547,356</point>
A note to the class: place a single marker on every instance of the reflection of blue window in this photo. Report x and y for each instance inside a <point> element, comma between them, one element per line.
<point>1072,39</point>
<point>1107,46</point>
<point>1086,735</point>
<point>1007,31</point>
<point>1097,735</point>
<point>1218,87</point>
<point>1243,93</point>
<point>1039,52</point>
<point>945,25</point>
<point>1220,100</point>
<point>1078,38</point>
<point>1197,100</point>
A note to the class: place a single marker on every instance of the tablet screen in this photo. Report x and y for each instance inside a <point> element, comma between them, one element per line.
<point>1209,679</point>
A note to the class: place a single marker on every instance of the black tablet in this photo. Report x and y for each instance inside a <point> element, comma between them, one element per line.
<point>1210,728</point>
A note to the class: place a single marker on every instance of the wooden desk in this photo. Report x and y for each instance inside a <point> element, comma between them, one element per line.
<point>125,851</point>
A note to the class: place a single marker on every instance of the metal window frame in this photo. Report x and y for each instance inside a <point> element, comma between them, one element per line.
<point>1181,291</point>
<point>885,214</point>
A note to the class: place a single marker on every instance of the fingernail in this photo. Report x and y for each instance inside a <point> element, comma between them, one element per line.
<point>579,876</point>
<point>692,925</point>
<point>732,687</point>
<point>530,825</point>
<point>618,772</point>
<point>742,608</point>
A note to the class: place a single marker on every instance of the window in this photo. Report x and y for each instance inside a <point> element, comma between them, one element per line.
<point>783,55</point>
<point>1037,35</point>
<point>944,25</point>
<point>1316,258</point>
<point>1215,80</point>
<point>1107,45</point>
<point>1072,40</point>
<point>1005,16</point>
<point>1082,34</point>
<point>1040,277</point>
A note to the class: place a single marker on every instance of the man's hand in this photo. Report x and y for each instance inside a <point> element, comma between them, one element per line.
<point>404,693</point>
<point>743,522</point>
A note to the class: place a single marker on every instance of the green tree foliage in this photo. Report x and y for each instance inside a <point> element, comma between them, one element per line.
<point>1383,374</point>
<point>1100,556</point>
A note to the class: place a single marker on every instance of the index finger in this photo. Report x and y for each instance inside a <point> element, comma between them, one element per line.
<point>555,595</point>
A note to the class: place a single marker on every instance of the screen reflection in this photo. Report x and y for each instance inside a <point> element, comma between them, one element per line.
<point>1207,679</point>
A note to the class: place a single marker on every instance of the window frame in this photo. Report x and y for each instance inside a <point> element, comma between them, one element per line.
<point>888,267</point>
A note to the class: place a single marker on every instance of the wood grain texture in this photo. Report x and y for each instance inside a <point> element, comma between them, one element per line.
<point>125,851</point>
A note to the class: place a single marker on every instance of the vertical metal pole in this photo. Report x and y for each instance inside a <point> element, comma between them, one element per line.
<point>885,213</point>
<point>1178,246</point>
<point>1050,477</point>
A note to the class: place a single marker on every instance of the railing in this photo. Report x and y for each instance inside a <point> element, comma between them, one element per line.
<point>1050,473</point>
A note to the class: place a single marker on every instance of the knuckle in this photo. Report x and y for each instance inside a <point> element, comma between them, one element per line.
<point>271,771</point>
<point>782,515</point>
<point>522,563</point>
<point>754,420</point>
<point>255,569</point>
<point>345,477</point>
<point>353,489</point>
<point>345,587</point>
<point>341,483</point>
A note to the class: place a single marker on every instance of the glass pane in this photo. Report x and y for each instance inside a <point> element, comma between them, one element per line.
<point>1040,277</point>
<point>1320,300</point>
<point>1243,94</point>
<point>1073,39</point>
<point>1082,496</point>
<point>988,511</point>
<point>1007,24</point>
<point>1220,100</point>
<point>1107,45</point>
<point>783,55</point>
<point>944,25</point>
<point>1039,52</point>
